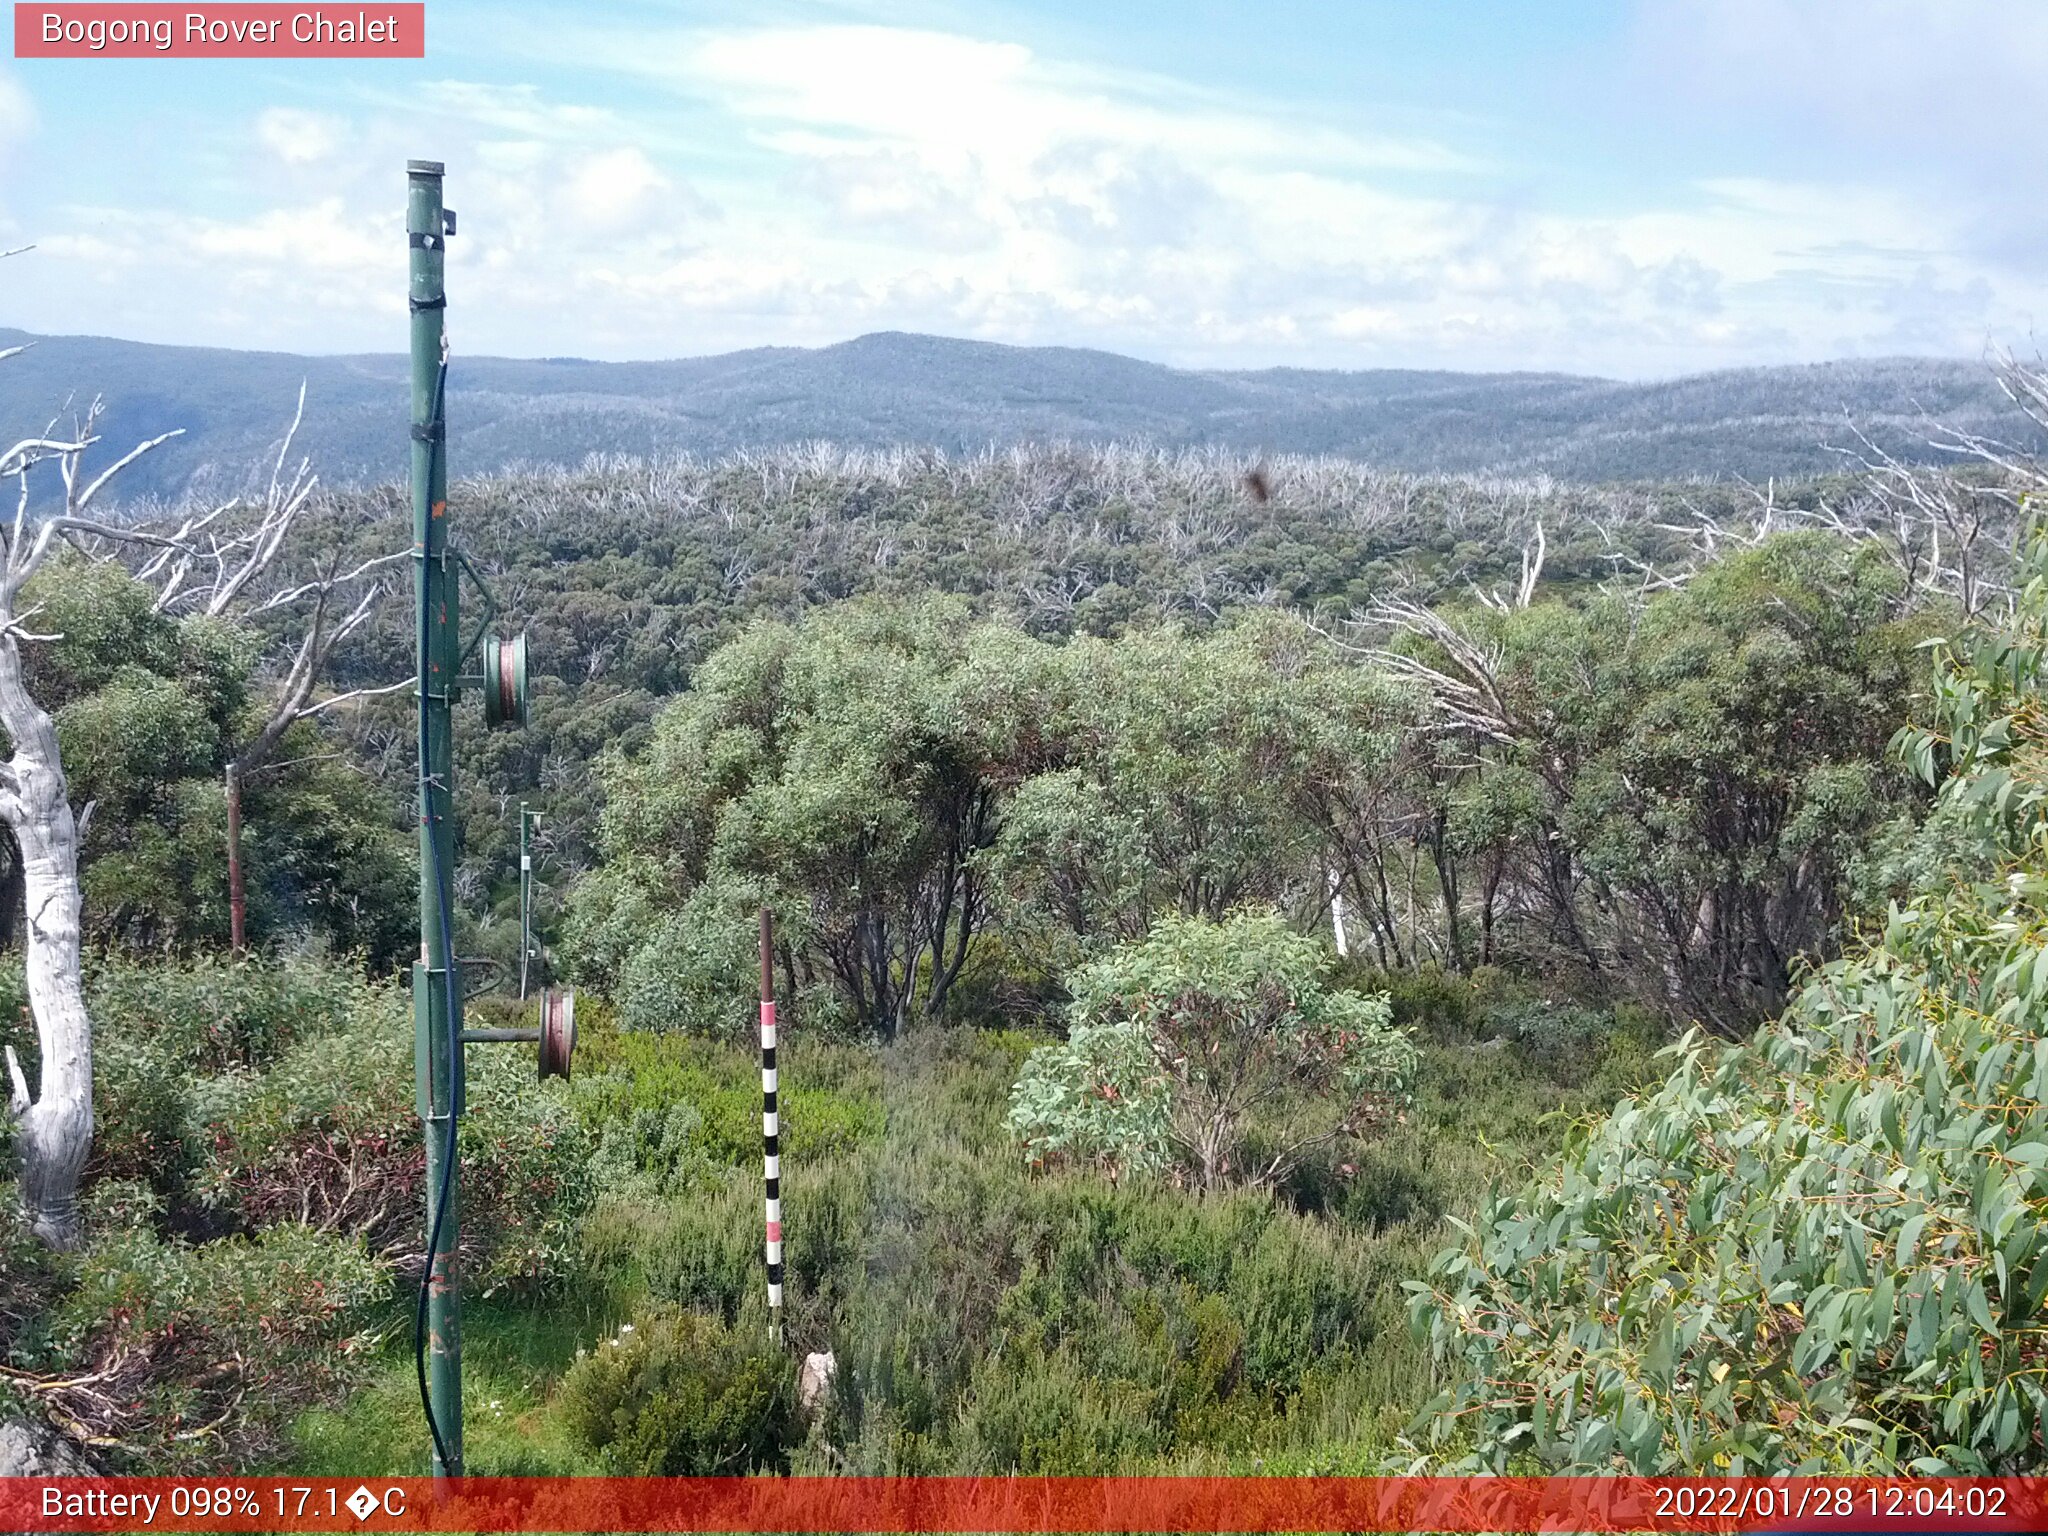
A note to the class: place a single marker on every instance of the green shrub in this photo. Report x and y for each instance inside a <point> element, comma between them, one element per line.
<point>204,1352</point>
<point>1036,1417</point>
<point>162,1033</point>
<point>1215,1046</point>
<point>678,1394</point>
<point>330,1135</point>
<point>1428,1001</point>
<point>31,1276</point>
<point>1097,1096</point>
<point>208,1014</point>
<point>830,1100</point>
<point>695,970</point>
<point>1826,1250</point>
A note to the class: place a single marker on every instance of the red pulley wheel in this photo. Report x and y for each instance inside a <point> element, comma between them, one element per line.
<point>504,680</point>
<point>557,1031</point>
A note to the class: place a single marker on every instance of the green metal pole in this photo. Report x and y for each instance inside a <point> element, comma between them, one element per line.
<point>437,997</point>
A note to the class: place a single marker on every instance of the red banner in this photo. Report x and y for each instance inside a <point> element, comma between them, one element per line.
<point>1026,1504</point>
<point>234,31</point>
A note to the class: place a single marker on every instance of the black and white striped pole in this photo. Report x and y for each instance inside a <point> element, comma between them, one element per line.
<point>771,1130</point>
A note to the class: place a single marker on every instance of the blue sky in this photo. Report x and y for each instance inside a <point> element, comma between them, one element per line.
<point>1631,189</point>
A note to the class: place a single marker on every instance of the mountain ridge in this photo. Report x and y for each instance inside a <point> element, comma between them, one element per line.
<point>892,387</point>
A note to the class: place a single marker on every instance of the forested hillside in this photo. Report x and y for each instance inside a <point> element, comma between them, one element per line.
<point>1199,885</point>
<point>889,390</point>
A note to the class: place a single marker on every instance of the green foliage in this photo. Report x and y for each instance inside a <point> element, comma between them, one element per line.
<point>962,1292</point>
<point>1690,782</point>
<point>330,1135</point>
<point>325,855</point>
<point>956,1287</point>
<point>894,779</point>
<point>149,709</point>
<point>1098,1096</point>
<point>31,1279</point>
<point>695,969</point>
<point>824,768</point>
<point>1826,1250</point>
<point>1165,772</point>
<point>677,1102</point>
<point>677,1394</point>
<point>163,1033</point>
<point>211,1014</point>
<point>1215,1045</point>
<point>248,1094</point>
<point>208,1350</point>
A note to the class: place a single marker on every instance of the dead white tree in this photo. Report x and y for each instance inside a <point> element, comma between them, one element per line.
<point>53,1124</point>
<point>220,579</point>
<point>1533,555</point>
<point>1951,535</point>
<point>215,562</point>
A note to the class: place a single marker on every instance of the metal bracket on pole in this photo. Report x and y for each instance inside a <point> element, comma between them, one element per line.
<point>490,604</point>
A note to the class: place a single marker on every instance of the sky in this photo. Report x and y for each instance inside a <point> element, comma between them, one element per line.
<point>1635,190</point>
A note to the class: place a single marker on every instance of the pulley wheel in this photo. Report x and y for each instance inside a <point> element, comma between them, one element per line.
<point>505,680</point>
<point>557,1031</point>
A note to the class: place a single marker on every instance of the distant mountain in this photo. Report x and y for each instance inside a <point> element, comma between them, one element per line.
<point>963,395</point>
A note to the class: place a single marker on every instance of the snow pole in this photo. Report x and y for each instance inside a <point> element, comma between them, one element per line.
<point>771,1130</point>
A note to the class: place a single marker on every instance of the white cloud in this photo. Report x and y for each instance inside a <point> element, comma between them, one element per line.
<point>17,112</point>
<point>999,103</point>
<point>298,137</point>
<point>803,184</point>
<point>616,189</point>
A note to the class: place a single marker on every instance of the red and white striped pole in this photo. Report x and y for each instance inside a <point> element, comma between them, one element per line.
<point>771,1132</point>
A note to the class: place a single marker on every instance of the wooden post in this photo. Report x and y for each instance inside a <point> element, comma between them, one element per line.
<point>238,906</point>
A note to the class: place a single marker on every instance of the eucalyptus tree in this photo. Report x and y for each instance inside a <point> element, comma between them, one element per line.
<point>1673,789</point>
<point>1826,1249</point>
<point>1168,772</point>
<point>829,769</point>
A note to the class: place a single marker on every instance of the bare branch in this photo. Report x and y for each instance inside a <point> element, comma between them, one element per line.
<point>84,499</point>
<point>357,693</point>
<point>284,448</point>
<point>32,449</point>
<point>291,595</point>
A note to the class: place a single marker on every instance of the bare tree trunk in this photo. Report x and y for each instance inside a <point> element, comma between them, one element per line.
<point>237,903</point>
<point>54,1126</point>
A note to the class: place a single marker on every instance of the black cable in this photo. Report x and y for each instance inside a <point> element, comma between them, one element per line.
<point>430,850</point>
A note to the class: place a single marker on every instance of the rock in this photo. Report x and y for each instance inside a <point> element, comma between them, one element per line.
<point>816,1380</point>
<point>30,1449</point>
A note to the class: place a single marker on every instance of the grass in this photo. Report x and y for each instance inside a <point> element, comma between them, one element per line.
<point>513,1352</point>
